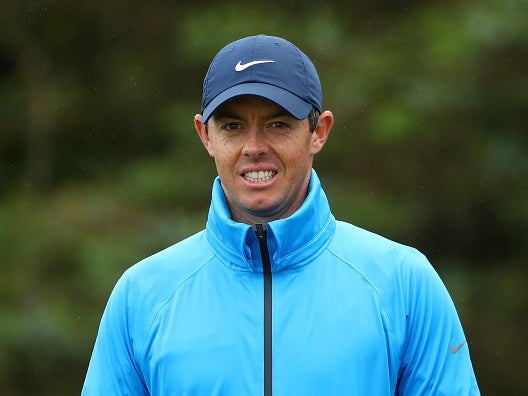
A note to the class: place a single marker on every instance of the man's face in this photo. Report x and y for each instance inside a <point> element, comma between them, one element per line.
<point>263,156</point>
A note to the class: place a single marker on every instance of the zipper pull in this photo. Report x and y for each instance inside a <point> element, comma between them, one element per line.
<point>260,231</point>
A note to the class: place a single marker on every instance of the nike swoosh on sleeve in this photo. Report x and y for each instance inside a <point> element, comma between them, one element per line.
<point>454,349</point>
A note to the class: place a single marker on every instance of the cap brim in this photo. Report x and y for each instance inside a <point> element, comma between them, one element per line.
<point>290,102</point>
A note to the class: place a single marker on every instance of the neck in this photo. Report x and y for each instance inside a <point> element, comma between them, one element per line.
<point>252,218</point>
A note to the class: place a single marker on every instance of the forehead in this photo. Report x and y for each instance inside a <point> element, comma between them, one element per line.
<point>245,104</point>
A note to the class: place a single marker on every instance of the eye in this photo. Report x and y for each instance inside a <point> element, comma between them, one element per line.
<point>231,126</point>
<point>279,125</point>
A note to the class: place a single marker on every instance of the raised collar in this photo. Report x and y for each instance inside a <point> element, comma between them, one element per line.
<point>292,242</point>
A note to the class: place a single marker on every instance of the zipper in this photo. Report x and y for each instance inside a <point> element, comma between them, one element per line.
<point>266,271</point>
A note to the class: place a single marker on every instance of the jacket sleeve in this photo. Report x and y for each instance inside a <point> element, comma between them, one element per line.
<point>436,358</point>
<point>113,369</point>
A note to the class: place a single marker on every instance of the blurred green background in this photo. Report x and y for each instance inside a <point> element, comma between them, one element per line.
<point>100,164</point>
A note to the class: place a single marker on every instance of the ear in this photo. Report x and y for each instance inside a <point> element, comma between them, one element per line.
<point>202,134</point>
<point>321,132</point>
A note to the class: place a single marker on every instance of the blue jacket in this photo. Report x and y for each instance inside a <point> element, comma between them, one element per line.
<point>350,313</point>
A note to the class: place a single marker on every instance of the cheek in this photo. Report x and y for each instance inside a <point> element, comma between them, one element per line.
<point>214,148</point>
<point>304,151</point>
<point>223,160</point>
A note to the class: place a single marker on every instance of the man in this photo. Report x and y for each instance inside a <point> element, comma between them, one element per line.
<point>275,295</point>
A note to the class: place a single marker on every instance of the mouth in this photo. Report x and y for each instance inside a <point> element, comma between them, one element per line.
<point>259,176</point>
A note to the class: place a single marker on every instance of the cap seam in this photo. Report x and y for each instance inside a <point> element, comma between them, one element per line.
<point>252,76</point>
<point>305,77</point>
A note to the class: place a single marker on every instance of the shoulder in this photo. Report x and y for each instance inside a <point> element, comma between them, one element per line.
<point>151,282</point>
<point>399,274</point>
<point>370,252</point>
<point>175,260</point>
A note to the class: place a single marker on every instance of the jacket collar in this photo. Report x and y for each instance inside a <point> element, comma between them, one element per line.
<point>292,242</point>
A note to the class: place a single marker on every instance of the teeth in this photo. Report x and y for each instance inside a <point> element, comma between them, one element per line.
<point>259,176</point>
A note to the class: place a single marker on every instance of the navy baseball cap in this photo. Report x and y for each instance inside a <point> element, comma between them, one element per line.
<point>266,66</point>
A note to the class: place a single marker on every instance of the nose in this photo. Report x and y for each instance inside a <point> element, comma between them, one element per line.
<point>255,144</point>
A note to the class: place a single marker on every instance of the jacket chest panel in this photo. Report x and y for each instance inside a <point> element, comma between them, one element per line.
<point>323,340</point>
<point>208,337</point>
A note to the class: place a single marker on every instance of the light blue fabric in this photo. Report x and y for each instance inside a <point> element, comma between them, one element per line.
<point>353,314</point>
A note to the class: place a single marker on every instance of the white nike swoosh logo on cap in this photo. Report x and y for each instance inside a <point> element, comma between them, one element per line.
<point>239,66</point>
